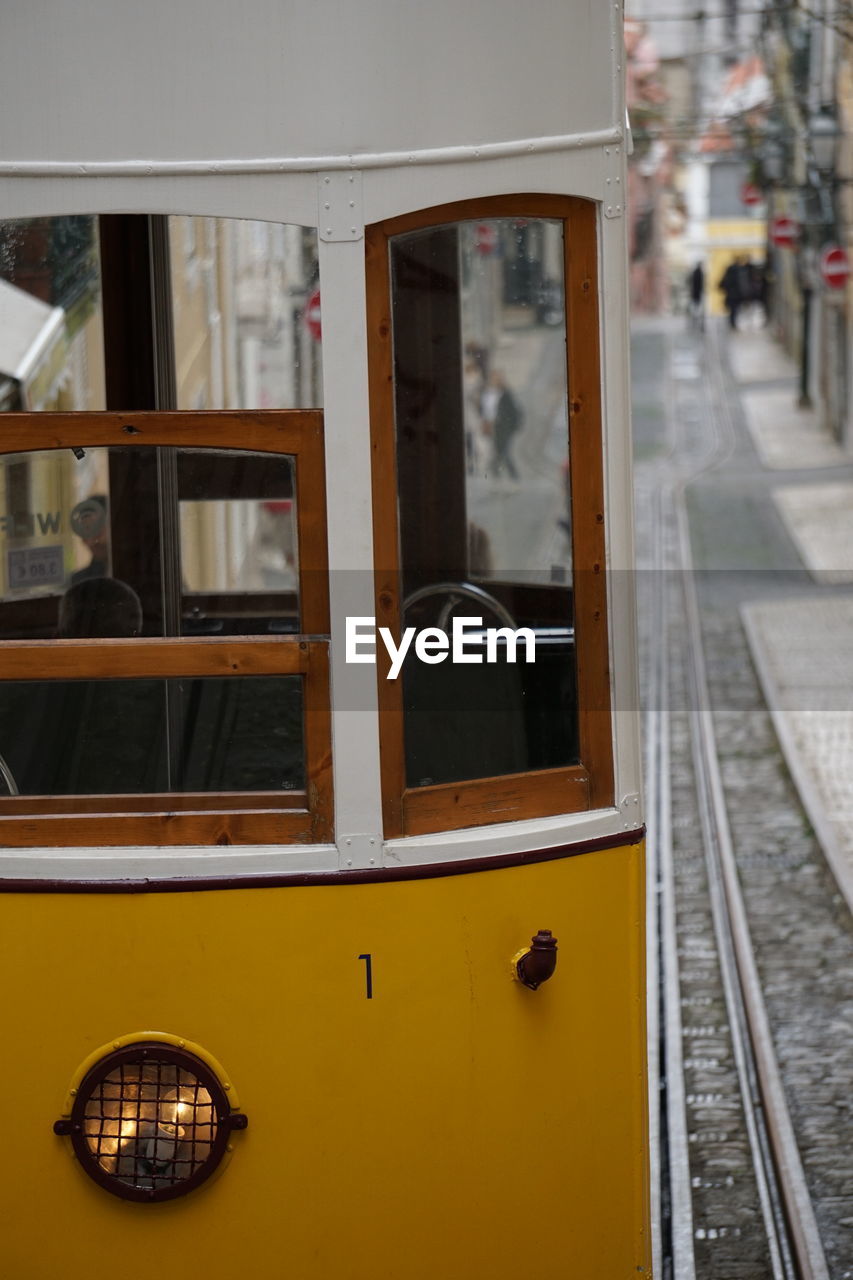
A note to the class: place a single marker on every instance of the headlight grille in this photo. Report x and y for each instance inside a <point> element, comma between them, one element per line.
<point>150,1122</point>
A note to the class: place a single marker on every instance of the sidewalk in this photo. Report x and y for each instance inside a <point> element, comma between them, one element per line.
<point>803,648</point>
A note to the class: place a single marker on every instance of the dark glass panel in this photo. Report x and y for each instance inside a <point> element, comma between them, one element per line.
<point>481,412</point>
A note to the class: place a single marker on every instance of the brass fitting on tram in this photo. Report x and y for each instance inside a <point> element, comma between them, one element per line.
<point>537,965</point>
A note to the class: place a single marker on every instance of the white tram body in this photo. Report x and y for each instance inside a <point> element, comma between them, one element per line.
<point>413,1108</point>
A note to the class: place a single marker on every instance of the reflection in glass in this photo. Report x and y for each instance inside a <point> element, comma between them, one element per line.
<point>51,330</point>
<point>481,411</point>
<point>238,537</point>
<point>54,524</point>
<point>115,737</point>
<point>245,304</point>
<point>81,544</point>
<point>513,338</point>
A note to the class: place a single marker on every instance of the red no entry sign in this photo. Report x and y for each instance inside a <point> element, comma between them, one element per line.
<point>486,238</point>
<point>750,194</point>
<point>834,266</point>
<point>311,315</point>
<point>784,232</point>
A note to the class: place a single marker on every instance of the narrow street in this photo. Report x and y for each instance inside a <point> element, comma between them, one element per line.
<point>722,452</point>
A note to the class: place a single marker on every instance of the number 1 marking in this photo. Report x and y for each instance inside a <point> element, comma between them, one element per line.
<point>368,972</point>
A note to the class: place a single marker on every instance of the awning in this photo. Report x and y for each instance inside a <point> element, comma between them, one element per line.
<point>33,347</point>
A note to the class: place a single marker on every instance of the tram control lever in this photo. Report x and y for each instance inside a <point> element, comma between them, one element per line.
<point>537,965</point>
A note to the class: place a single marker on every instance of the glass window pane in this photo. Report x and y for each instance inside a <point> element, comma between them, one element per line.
<point>246,314</point>
<point>130,737</point>
<point>481,410</point>
<point>54,534</point>
<point>51,325</point>
<point>84,550</point>
<point>238,522</point>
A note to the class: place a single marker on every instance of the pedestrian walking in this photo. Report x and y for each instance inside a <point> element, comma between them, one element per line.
<point>735,286</point>
<point>502,418</point>
<point>696,297</point>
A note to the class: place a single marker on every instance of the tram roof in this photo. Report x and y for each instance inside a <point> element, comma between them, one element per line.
<point>209,81</point>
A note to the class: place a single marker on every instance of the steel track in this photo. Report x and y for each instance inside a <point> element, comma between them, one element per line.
<point>793,1241</point>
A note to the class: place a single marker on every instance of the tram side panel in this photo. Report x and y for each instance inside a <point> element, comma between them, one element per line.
<point>413,1109</point>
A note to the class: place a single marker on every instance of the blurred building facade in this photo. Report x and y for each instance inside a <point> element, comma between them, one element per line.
<point>805,161</point>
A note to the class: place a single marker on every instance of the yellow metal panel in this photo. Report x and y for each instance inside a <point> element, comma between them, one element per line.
<point>454,1124</point>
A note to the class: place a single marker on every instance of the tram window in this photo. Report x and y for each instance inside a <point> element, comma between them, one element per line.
<point>51,323</point>
<point>493,510</point>
<point>172,583</point>
<point>245,314</point>
<point>483,466</point>
<point>67,521</point>
<point>132,737</point>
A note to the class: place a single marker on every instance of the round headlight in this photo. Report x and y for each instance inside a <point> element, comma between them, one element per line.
<point>150,1122</point>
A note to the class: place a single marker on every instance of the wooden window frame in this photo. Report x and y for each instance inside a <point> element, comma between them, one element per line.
<point>190,818</point>
<point>409,811</point>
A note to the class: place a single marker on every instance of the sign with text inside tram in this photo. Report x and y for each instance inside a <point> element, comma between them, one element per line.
<point>784,232</point>
<point>834,266</point>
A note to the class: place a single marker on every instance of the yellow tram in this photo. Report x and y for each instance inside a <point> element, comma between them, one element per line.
<point>321,861</point>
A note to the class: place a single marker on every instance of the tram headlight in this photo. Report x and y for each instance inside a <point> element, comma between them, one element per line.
<point>150,1121</point>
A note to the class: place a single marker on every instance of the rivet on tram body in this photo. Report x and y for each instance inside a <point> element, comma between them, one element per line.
<point>225,1084</point>
<point>328,180</point>
<point>73,1093</point>
<point>229,1147</point>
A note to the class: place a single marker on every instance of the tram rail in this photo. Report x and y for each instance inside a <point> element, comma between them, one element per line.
<point>794,1246</point>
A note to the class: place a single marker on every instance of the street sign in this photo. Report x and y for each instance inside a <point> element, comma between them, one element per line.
<point>784,232</point>
<point>311,315</point>
<point>751,194</point>
<point>834,266</point>
<point>486,238</point>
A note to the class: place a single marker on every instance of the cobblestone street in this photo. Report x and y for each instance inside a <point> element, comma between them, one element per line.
<point>696,402</point>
